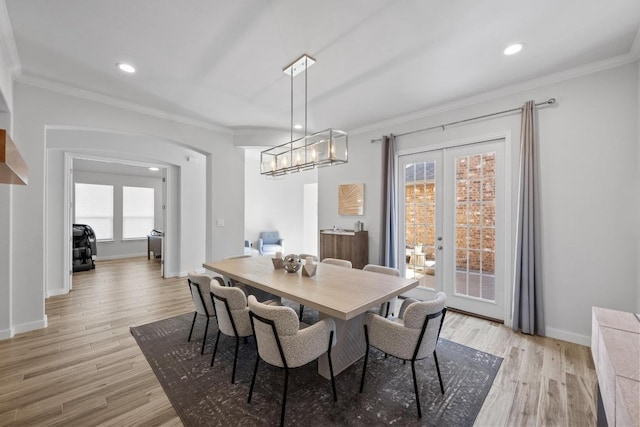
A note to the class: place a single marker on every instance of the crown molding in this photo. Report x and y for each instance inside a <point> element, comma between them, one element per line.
<point>8,42</point>
<point>594,67</point>
<point>118,103</point>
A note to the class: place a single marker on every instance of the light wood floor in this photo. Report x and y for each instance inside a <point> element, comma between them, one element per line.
<point>86,369</point>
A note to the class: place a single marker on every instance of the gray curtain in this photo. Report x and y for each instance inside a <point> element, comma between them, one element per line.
<point>389,249</point>
<point>527,287</point>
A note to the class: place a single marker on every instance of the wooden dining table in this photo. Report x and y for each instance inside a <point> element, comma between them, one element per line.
<point>342,294</point>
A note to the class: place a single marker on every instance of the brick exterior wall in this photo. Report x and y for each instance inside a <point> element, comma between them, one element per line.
<point>475,214</point>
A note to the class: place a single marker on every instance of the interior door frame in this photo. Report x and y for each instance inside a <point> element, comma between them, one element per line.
<point>509,165</point>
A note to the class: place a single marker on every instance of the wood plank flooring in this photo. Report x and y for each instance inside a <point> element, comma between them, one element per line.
<point>85,368</point>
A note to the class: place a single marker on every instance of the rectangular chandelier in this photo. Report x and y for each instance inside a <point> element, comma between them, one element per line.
<point>326,148</point>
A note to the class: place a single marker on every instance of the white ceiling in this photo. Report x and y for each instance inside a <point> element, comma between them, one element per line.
<point>221,61</point>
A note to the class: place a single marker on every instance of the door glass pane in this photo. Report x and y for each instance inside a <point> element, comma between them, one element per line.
<point>420,222</point>
<point>475,226</point>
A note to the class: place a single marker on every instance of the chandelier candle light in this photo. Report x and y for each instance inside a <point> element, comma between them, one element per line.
<point>324,148</point>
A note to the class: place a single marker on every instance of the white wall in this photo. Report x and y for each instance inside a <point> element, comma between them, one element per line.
<point>37,109</point>
<point>119,248</point>
<point>588,151</point>
<point>275,203</point>
<point>6,83</point>
<point>6,106</point>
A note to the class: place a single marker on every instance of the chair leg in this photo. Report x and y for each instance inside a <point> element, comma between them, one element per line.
<point>333,380</point>
<point>301,310</point>
<point>215,348</point>
<point>253,379</point>
<point>438,369</point>
<point>195,314</point>
<point>235,360</point>
<point>366,358</point>
<point>415,387</point>
<point>284,396</point>
<point>204,339</point>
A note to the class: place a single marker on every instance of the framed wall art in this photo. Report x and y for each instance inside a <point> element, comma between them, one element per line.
<point>351,199</point>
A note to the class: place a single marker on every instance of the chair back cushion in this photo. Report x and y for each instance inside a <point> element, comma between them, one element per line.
<point>382,269</point>
<point>304,257</point>
<point>286,321</point>
<point>390,271</point>
<point>199,286</point>
<point>399,338</point>
<point>238,310</point>
<point>415,315</point>
<point>270,237</point>
<point>336,261</point>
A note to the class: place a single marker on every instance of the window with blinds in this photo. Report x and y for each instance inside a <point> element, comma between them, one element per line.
<point>137,212</point>
<point>94,207</point>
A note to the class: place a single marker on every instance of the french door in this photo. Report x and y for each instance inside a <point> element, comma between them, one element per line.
<point>452,225</point>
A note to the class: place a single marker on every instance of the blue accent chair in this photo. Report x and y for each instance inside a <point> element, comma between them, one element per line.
<point>270,243</point>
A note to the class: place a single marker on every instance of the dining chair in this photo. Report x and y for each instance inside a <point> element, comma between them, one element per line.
<point>385,308</point>
<point>304,257</point>
<point>332,261</point>
<point>281,342</point>
<point>248,290</point>
<point>338,262</point>
<point>199,286</point>
<point>411,337</point>
<point>232,316</point>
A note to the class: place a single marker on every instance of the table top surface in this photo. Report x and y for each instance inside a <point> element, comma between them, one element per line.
<point>336,291</point>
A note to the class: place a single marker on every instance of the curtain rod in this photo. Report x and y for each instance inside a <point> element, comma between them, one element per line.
<point>549,101</point>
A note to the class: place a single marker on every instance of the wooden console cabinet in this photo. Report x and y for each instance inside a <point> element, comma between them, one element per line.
<point>350,245</point>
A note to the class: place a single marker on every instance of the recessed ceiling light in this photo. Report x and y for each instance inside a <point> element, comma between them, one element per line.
<point>297,126</point>
<point>154,169</point>
<point>127,68</point>
<point>513,48</point>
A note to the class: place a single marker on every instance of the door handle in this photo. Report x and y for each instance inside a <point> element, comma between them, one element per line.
<point>439,248</point>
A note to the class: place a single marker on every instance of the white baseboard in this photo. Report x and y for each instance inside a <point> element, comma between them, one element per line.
<point>31,326</point>
<point>568,336</point>
<point>6,333</point>
<point>176,274</point>
<point>56,292</point>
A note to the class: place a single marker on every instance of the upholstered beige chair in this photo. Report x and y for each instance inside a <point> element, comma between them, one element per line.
<point>388,307</point>
<point>412,337</point>
<point>199,286</point>
<point>333,261</point>
<point>336,261</point>
<point>303,257</point>
<point>248,290</point>
<point>283,343</point>
<point>232,314</point>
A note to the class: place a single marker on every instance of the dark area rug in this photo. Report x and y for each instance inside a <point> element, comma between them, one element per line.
<point>202,395</point>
